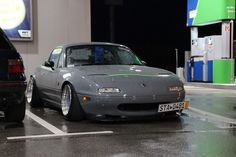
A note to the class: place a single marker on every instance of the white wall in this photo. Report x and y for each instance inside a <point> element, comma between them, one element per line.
<point>55,22</point>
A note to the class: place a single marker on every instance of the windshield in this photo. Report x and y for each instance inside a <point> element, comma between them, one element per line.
<point>100,55</point>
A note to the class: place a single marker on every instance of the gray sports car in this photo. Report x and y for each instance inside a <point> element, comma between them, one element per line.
<point>102,81</point>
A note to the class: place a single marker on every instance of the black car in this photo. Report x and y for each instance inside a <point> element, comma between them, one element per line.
<point>12,81</point>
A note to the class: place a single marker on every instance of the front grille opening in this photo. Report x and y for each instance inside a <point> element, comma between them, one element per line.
<point>138,107</point>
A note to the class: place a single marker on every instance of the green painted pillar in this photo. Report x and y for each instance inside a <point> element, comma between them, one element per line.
<point>223,71</point>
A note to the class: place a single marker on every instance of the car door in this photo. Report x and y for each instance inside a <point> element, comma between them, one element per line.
<point>47,79</point>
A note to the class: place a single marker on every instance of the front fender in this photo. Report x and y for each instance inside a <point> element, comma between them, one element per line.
<point>81,84</point>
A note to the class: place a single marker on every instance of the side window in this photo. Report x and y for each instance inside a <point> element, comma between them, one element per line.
<point>55,55</point>
<point>61,60</point>
<point>126,57</point>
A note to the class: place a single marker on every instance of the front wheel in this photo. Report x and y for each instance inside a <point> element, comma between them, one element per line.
<point>70,104</point>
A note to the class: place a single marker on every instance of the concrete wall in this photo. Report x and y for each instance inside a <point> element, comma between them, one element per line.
<point>55,22</point>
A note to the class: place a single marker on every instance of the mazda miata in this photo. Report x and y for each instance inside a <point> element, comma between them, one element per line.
<point>104,81</point>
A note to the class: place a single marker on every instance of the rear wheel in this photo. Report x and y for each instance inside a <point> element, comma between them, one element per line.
<point>32,94</point>
<point>70,104</point>
<point>16,112</point>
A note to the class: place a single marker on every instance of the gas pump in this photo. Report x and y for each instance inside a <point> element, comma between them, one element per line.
<point>214,51</point>
<point>212,57</point>
<point>207,52</point>
<point>196,60</point>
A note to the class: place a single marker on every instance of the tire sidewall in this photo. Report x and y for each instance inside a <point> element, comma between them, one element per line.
<point>76,112</point>
<point>16,112</point>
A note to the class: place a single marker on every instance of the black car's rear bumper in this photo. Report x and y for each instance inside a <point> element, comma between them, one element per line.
<point>11,93</point>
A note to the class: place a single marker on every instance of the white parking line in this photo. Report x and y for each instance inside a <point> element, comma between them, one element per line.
<point>58,135</point>
<point>214,116</point>
<point>56,132</point>
<point>45,124</point>
<point>208,89</point>
<point>201,88</point>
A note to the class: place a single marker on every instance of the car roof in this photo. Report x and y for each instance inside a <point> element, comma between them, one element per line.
<point>92,43</point>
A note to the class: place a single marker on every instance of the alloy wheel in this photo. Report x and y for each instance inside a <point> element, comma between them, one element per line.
<point>29,90</point>
<point>66,100</point>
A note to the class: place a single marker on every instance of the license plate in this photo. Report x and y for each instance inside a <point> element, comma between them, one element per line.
<point>172,107</point>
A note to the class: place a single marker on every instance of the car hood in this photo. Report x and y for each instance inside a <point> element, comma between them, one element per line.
<point>121,70</point>
<point>131,78</point>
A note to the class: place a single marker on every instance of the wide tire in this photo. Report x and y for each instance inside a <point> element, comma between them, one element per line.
<point>32,94</point>
<point>16,112</point>
<point>70,105</point>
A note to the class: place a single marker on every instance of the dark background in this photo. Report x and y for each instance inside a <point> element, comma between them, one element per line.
<point>152,28</point>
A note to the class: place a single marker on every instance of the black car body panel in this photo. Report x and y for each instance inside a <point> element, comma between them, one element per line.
<point>12,80</point>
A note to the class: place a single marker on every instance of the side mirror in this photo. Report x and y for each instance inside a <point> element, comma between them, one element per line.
<point>49,64</point>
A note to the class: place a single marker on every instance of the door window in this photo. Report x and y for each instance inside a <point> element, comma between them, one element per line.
<point>55,55</point>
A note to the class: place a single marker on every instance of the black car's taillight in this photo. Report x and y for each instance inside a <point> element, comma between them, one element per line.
<point>15,66</point>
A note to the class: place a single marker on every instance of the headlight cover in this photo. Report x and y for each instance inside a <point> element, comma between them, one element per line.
<point>109,90</point>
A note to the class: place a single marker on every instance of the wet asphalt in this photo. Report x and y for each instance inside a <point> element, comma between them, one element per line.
<point>209,132</point>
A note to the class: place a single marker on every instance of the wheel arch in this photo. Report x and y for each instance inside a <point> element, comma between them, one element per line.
<point>65,83</point>
<point>32,77</point>
<point>75,111</point>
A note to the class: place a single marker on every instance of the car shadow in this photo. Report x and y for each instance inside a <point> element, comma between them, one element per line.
<point>136,120</point>
<point>9,125</point>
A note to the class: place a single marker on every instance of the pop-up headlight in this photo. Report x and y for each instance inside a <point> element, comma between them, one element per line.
<point>109,90</point>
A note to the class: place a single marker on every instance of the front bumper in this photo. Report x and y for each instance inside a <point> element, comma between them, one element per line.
<point>11,93</point>
<point>129,106</point>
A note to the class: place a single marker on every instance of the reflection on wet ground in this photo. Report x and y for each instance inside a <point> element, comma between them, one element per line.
<point>190,135</point>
